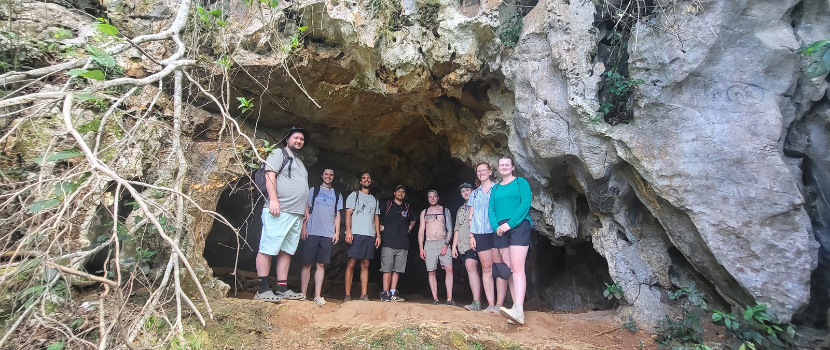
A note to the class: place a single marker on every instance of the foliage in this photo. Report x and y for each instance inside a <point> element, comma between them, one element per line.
<point>685,332</point>
<point>245,104</point>
<point>511,29</point>
<point>214,15</point>
<point>613,291</point>
<point>693,296</point>
<point>630,325</point>
<point>616,91</point>
<point>819,56</point>
<point>728,320</point>
<point>263,151</point>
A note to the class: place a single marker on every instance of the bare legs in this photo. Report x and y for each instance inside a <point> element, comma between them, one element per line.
<point>475,279</point>
<point>390,280</point>
<point>433,282</point>
<point>263,265</point>
<point>364,276</point>
<point>518,255</point>
<point>349,275</point>
<point>486,258</point>
<point>318,279</point>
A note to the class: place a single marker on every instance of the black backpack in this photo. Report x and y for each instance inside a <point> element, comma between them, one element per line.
<point>317,193</point>
<point>259,174</point>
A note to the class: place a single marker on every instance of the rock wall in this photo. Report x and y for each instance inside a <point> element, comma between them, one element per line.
<point>719,177</point>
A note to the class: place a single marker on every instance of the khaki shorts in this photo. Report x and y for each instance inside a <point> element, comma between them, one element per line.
<point>393,260</point>
<point>433,253</point>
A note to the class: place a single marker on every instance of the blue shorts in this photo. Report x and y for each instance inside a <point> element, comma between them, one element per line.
<point>279,233</point>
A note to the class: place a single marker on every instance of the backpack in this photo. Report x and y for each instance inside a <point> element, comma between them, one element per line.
<point>259,174</point>
<point>357,197</point>
<point>389,206</point>
<point>317,193</point>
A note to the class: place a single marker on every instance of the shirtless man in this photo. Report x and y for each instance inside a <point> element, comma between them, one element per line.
<point>436,226</point>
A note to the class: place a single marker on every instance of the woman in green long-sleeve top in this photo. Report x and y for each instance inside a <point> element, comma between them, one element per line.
<point>509,213</point>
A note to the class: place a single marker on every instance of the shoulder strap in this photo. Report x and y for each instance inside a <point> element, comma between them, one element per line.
<point>388,206</point>
<point>314,198</point>
<point>285,160</point>
<point>336,199</point>
<point>356,195</point>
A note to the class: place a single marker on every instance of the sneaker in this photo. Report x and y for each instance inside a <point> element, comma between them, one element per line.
<point>384,296</point>
<point>395,297</point>
<point>268,296</point>
<point>451,302</point>
<point>347,298</point>
<point>320,301</point>
<point>515,314</point>
<point>364,298</point>
<point>492,309</point>
<point>291,295</point>
<point>475,306</point>
<point>436,302</point>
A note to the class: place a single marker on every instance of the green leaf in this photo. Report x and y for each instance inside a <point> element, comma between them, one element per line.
<point>76,71</point>
<point>825,60</point>
<point>65,154</point>
<point>107,29</point>
<point>791,330</point>
<point>93,125</point>
<point>93,74</point>
<point>809,49</point>
<point>58,345</point>
<point>302,29</point>
<point>36,290</point>
<point>221,22</point>
<point>216,12</point>
<point>100,56</point>
<point>43,205</point>
<point>64,188</point>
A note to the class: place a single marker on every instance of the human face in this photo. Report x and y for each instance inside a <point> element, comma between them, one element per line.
<point>328,176</point>
<point>296,141</point>
<point>505,167</point>
<point>483,172</point>
<point>432,197</point>
<point>400,194</point>
<point>465,193</point>
<point>366,180</point>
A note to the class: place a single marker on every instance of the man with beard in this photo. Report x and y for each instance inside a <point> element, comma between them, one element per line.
<point>395,227</point>
<point>362,234</point>
<point>320,232</point>
<point>436,227</point>
<point>284,212</point>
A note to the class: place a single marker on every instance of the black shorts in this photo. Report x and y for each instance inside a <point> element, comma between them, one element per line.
<point>316,249</point>
<point>519,235</point>
<point>362,247</point>
<point>471,255</point>
<point>484,241</point>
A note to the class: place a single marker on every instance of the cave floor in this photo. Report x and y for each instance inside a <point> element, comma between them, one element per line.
<point>252,324</point>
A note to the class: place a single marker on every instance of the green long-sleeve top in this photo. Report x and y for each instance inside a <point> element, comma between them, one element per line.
<point>510,202</point>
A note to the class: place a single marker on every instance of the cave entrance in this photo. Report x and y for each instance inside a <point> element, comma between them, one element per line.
<point>420,169</point>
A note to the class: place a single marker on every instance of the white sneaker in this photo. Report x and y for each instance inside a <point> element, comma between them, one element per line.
<point>320,301</point>
<point>515,314</point>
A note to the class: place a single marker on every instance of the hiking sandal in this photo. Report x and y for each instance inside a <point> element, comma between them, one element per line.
<point>268,296</point>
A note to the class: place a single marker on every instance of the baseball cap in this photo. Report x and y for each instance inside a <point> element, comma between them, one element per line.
<point>465,185</point>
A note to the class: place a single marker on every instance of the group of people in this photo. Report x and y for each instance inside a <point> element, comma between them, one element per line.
<point>492,230</point>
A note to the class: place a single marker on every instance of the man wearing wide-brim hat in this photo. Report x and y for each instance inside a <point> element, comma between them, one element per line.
<point>283,214</point>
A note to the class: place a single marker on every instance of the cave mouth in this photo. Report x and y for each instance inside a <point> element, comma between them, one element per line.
<point>569,276</point>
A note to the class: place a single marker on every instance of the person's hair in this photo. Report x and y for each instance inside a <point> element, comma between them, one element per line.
<point>432,191</point>
<point>365,173</point>
<point>478,182</point>
<point>327,168</point>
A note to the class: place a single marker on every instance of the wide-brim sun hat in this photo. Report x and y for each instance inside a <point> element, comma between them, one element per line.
<point>292,131</point>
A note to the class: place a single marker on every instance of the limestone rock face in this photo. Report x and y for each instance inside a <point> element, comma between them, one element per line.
<point>719,177</point>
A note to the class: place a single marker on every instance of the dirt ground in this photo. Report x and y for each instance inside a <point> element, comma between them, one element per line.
<point>409,325</point>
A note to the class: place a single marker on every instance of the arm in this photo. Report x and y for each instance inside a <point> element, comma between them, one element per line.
<point>304,225</point>
<point>472,238</point>
<point>455,245</point>
<point>271,187</point>
<point>421,231</point>
<point>336,228</point>
<point>349,225</point>
<point>377,231</point>
<point>448,230</point>
<point>524,204</point>
<point>491,212</point>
